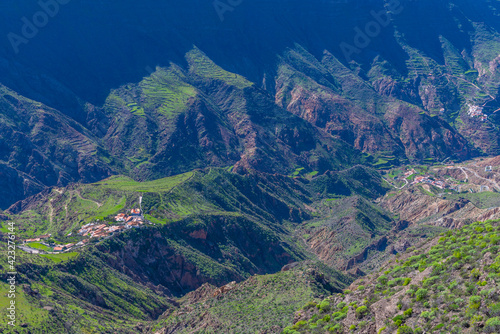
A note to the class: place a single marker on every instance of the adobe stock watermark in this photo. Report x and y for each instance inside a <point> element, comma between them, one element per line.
<point>31,27</point>
<point>372,29</point>
<point>12,274</point>
<point>224,6</point>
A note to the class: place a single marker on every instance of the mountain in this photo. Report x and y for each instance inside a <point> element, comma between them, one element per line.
<point>206,167</point>
<point>446,284</point>
<point>162,98</point>
<point>265,302</point>
<point>208,227</point>
<point>41,146</point>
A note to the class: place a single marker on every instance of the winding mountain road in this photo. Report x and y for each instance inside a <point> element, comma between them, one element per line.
<point>482,178</point>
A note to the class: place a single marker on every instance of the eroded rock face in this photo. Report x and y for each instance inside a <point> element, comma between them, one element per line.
<point>179,258</point>
<point>414,206</point>
<point>198,234</point>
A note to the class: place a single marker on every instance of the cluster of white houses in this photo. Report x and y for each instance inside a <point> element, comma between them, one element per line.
<point>476,111</point>
<point>98,230</point>
<point>95,230</point>
<point>426,179</point>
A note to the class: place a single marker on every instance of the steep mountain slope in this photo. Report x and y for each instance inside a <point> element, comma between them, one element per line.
<point>356,112</point>
<point>171,122</point>
<point>209,226</point>
<point>241,37</point>
<point>41,147</point>
<point>79,293</point>
<point>230,99</point>
<point>176,120</point>
<point>448,284</point>
<point>264,302</point>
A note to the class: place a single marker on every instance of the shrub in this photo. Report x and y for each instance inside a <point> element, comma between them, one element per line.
<point>492,324</point>
<point>361,311</point>
<point>382,280</point>
<point>300,323</point>
<point>427,315</point>
<point>336,329</point>
<point>495,309</point>
<point>324,306</point>
<point>407,313</point>
<point>421,294</point>
<point>339,316</point>
<point>309,305</point>
<point>381,330</point>
<point>475,302</point>
<point>422,265</point>
<point>405,330</point>
<point>407,281</point>
<point>398,320</point>
<point>430,281</point>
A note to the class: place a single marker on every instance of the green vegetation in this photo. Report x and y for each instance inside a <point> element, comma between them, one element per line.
<point>37,245</point>
<point>56,289</point>
<point>446,285</point>
<point>124,183</point>
<point>58,258</point>
<point>164,92</point>
<point>202,66</point>
<point>483,200</point>
<point>262,301</point>
<point>245,214</point>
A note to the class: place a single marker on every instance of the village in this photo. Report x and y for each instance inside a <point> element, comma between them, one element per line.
<point>90,232</point>
<point>427,180</point>
<point>424,179</point>
<point>476,111</point>
<point>438,178</point>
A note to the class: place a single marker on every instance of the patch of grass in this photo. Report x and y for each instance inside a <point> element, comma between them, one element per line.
<point>37,245</point>
<point>58,258</point>
<point>124,183</point>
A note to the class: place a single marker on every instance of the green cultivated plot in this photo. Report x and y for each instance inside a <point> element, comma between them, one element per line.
<point>123,183</point>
